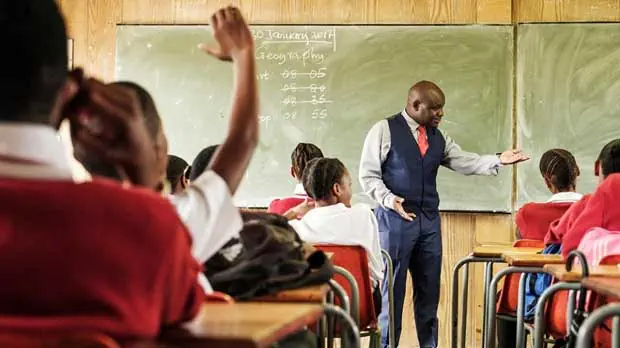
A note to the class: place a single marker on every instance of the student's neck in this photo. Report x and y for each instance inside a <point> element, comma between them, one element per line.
<point>554,190</point>
<point>326,203</point>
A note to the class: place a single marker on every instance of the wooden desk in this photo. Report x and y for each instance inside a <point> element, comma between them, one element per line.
<point>560,273</point>
<point>603,285</point>
<point>499,250</point>
<point>309,294</point>
<point>531,260</point>
<point>243,325</point>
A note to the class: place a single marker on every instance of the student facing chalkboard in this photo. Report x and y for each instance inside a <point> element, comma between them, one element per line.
<point>303,153</point>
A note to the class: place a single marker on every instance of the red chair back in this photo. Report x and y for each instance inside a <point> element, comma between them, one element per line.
<point>354,259</point>
<point>602,334</point>
<point>509,296</point>
<point>35,340</point>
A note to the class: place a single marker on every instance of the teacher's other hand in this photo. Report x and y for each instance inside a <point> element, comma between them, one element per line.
<point>398,207</point>
<point>513,157</point>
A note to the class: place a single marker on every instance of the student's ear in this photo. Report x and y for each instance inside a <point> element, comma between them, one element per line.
<point>184,182</point>
<point>548,182</point>
<point>337,190</point>
<point>293,173</point>
<point>66,94</point>
<point>597,168</point>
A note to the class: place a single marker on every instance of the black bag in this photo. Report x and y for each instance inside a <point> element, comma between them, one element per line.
<point>273,258</point>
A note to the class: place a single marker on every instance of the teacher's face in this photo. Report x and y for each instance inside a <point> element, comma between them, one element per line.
<point>426,106</point>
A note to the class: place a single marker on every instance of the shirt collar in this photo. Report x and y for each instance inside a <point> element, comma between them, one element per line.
<point>410,121</point>
<point>36,150</point>
<point>299,190</point>
<point>565,197</point>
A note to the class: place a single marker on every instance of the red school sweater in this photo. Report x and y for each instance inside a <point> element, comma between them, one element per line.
<point>602,210</point>
<point>281,206</point>
<point>558,228</point>
<point>93,257</point>
<point>533,219</point>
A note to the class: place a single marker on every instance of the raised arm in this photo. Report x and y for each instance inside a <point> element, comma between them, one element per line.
<point>236,44</point>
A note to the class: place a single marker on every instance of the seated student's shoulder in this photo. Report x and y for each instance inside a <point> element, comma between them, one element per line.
<point>362,211</point>
<point>130,206</point>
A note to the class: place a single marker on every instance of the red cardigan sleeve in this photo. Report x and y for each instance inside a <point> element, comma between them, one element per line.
<point>592,216</point>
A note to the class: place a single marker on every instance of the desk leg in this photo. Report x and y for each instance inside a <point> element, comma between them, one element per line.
<point>465,306</point>
<point>331,326</point>
<point>570,309</point>
<point>455,299</point>
<point>489,335</point>
<point>539,316</point>
<point>584,337</point>
<point>615,333</point>
<point>488,273</point>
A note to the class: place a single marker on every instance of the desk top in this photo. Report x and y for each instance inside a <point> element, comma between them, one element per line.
<point>243,325</point>
<point>498,250</point>
<point>531,260</point>
<point>603,285</point>
<point>559,272</point>
<point>308,294</point>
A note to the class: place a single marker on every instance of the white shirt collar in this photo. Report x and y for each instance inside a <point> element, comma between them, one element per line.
<point>299,190</point>
<point>410,121</point>
<point>34,143</point>
<point>565,197</point>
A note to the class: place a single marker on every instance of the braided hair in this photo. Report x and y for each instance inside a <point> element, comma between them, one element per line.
<point>560,168</point>
<point>303,153</point>
<point>609,158</point>
<point>321,175</point>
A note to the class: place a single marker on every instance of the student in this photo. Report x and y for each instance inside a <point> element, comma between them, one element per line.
<point>608,162</point>
<point>206,206</point>
<point>201,162</point>
<point>175,174</point>
<point>335,221</point>
<point>92,256</point>
<point>303,153</point>
<point>560,171</point>
<point>601,210</point>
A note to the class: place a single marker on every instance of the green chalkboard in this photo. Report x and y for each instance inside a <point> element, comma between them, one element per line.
<point>328,85</point>
<point>569,91</point>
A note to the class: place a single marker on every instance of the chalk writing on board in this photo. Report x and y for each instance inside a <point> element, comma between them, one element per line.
<point>296,61</point>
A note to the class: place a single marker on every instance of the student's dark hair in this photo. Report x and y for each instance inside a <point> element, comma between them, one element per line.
<point>610,158</point>
<point>320,176</point>
<point>35,60</point>
<point>201,162</point>
<point>560,168</point>
<point>303,153</point>
<point>149,110</point>
<point>175,170</point>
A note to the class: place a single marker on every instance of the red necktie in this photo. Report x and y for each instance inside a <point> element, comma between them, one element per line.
<point>422,140</point>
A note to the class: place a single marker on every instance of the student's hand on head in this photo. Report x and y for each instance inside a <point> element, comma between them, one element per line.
<point>232,34</point>
<point>513,157</point>
<point>108,124</point>
<point>398,207</point>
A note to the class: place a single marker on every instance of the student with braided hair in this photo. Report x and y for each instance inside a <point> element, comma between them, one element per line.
<point>601,208</point>
<point>559,169</point>
<point>607,163</point>
<point>334,221</point>
<point>303,153</point>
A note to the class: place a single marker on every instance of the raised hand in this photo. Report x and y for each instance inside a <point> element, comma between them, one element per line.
<point>232,34</point>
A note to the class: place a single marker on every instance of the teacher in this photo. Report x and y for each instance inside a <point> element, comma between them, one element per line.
<point>398,169</point>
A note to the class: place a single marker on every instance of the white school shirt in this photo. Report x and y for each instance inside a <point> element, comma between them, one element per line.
<point>377,146</point>
<point>337,224</point>
<point>565,197</point>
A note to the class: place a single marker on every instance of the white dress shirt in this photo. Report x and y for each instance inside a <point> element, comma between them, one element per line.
<point>337,224</point>
<point>377,146</point>
<point>565,197</point>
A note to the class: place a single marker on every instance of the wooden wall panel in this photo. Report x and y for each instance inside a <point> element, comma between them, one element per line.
<point>568,10</point>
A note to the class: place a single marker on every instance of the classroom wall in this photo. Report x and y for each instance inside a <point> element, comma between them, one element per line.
<point>92,26</point>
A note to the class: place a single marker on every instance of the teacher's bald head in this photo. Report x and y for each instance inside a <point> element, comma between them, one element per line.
<point>425,103</point>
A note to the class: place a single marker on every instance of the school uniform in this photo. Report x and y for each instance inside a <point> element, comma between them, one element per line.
<point>558,228</point>
<point>533,219</point>
<point>206,207</point>
<point>86,256</point>
<point>337,224</point>
<point>600,211</point>
<point>282,205</point>
<point>401,158</point>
